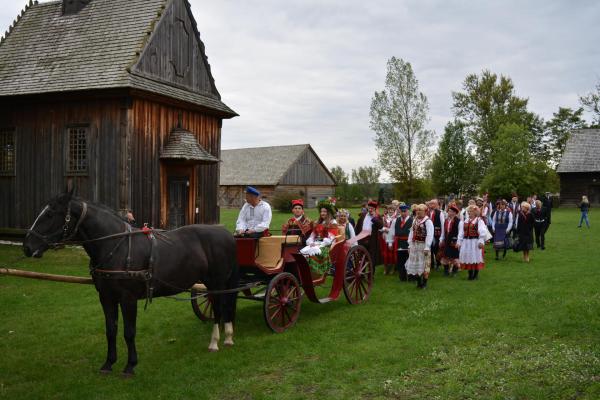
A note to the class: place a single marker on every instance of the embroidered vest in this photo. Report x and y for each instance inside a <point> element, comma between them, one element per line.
<point>419,230</point>
<point>471,229</point>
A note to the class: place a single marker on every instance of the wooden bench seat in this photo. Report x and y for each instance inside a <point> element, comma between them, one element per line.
<point>269,250</point>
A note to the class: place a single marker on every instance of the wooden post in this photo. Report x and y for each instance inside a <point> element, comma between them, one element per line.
<point>65,278</point>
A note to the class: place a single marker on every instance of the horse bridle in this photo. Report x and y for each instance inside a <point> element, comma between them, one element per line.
<point>64,231</point>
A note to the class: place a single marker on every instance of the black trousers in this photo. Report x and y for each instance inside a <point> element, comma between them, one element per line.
<point>400,261</point>
<point>540,231</point>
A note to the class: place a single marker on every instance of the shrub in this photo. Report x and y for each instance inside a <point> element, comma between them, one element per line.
<point>283,201</point>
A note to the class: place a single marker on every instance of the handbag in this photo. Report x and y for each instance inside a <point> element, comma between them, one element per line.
<point>515,244</point>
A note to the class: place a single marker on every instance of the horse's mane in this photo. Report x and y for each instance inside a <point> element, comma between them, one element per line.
<point>100,206</point>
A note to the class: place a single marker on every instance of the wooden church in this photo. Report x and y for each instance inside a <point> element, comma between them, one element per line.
<point>115,98</point>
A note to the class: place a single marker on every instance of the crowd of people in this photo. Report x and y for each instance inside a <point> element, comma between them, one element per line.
<point>410,240</point>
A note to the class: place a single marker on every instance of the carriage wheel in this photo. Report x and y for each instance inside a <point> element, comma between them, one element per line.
<point>203,307</point>
<point>282,302</point>
<point>358,280</point>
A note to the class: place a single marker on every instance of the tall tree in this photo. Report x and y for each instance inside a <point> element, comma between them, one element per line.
<point>591,102</point>
<point>512,168</point>
<point>398,118</point>
<point>486,103</point>
<point>453,166</point>
<point>558,131</point>
<point>367,180</point>
<point>341,178</point>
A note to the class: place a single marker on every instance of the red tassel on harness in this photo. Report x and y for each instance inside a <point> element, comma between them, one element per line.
<point>146,229</point>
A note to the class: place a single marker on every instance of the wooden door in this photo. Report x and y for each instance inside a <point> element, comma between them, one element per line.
<point>178,200</point>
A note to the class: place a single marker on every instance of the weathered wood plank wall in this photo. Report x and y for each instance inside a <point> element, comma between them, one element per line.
<point>575,185</point>
<point>41,141</point>
<point>307,170</point>
<point>151,124</point>
<point>174,53</point>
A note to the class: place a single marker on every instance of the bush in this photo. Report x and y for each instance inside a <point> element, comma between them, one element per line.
<point>283,201</point>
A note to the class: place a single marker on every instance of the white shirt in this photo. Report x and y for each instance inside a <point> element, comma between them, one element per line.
<point>367,225</point>
<point>510,220</point>
<point>255,218</point>
<point>481,230</point>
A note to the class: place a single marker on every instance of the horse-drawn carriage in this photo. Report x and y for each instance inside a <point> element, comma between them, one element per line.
<point>129,264</point>
<point>282,276</point>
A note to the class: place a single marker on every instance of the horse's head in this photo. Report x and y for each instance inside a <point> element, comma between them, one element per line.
<point>51,226</point>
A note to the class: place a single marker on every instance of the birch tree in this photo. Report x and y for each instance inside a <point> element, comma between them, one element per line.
<point>398,117</point>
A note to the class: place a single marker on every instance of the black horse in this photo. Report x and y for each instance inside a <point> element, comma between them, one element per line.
<point>129,264</point>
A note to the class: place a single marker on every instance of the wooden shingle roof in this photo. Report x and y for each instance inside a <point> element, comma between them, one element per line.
<point>182,145</point>
<point>582,152</point>
<point>272,166</point>
<point>258,165</point>
<point>96,48</point>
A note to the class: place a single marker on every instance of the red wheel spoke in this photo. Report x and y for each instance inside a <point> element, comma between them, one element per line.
<point>275,313</point>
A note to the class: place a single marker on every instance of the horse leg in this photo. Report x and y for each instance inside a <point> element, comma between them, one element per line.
<point>129,311</point>
<point>111,317</point>
<point>228,317</point>
<point>214,339</point>
<point>228,334</point>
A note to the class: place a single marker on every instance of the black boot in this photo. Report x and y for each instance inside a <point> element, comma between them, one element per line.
<point>403,277</point>
<point>504,254</point>
<point>475,274</point>
<point>454,271</point>
<point>497,254</point>
<point>446,270</point>
<point>419,281</point>
<point>424,283</point>
<point>470,274</point>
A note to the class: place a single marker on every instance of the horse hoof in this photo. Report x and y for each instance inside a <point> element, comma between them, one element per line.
<point>228,344</point>
<point>213,350</point>
<point>104,371</point>
<point>127,374</point>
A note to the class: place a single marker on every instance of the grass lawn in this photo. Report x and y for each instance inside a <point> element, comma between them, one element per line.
<point>522,331</point>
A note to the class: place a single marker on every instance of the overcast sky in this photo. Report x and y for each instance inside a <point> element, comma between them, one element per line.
<point>305,71</point>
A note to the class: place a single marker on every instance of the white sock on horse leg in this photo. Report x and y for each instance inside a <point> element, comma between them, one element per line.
<point>228,334</point>
<point>214,339</point>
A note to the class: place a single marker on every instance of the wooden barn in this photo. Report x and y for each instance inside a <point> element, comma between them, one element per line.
<point>579,168</point>
<point>293,169</point>
<point>115,98</point>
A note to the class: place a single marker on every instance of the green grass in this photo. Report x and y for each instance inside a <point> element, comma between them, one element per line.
<point>523,331</point>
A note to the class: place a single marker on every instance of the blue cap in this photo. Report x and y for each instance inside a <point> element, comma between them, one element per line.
<point>404,207</point>
<point>251,190</point>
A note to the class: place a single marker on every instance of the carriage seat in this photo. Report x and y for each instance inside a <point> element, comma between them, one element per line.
<point>269,250</point>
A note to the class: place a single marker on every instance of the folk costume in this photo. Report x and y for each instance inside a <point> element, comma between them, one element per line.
<point>471,233</point>
<point>254,218</point>
<point>369,237</point>
<point>514,207</point>
<point>347,227</point>
<point>398,236</point>
<point>449,239</point>
<point>501,223</point>
<point>389,255</point>
<point>524,231</point>
<point>420,239</point>
<point>437,217</point>
<point>301,226</point>
<point>320,240</point>
<point>541,220</point>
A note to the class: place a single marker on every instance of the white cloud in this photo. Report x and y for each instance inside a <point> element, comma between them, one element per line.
<point>305,71</point>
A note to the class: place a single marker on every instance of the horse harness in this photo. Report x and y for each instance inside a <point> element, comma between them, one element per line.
<point>64,237</point>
